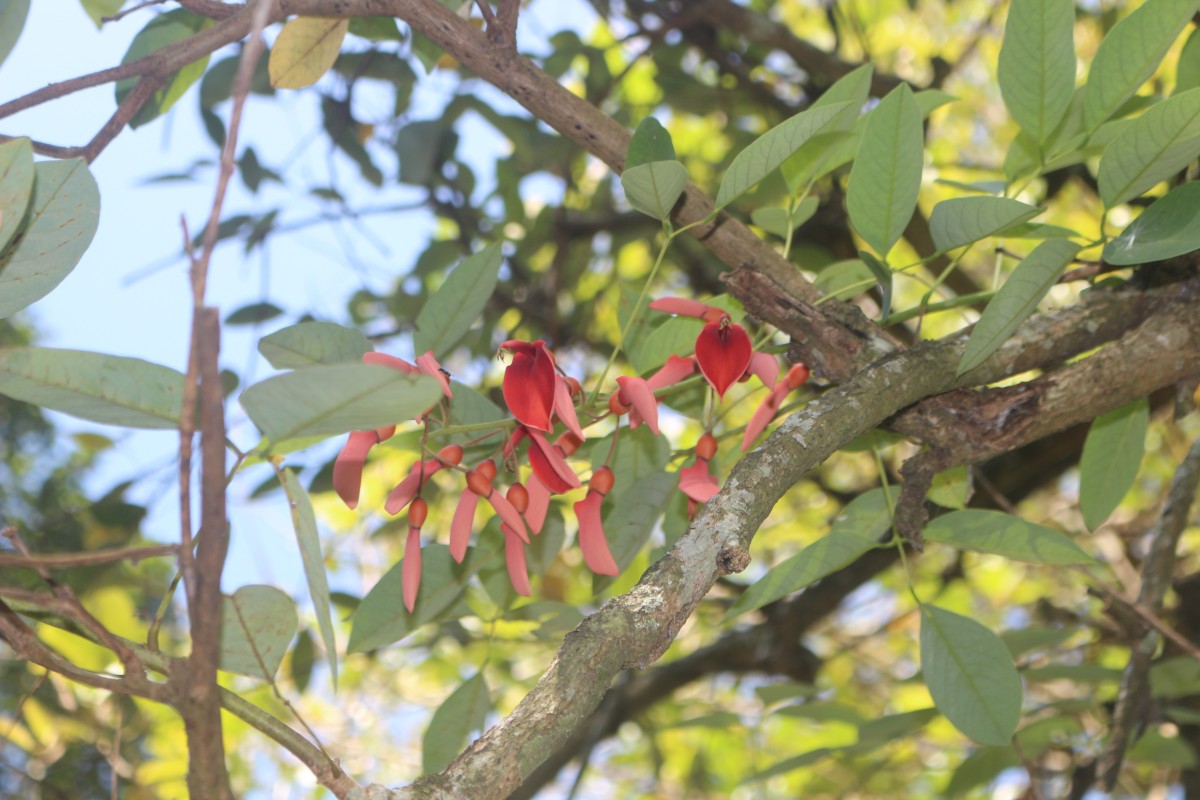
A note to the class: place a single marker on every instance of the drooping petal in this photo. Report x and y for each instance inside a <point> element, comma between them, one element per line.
<point>564,406</point>
<point>539,504</point>
<point>671,373</point>
<point>549,465</point>
<point>697,482</point>
<point>407,489</point>
<point>765,367</point>
<point>385,360</point>
<point>430,366</point>
<point>514,559</point>
<point>723,352</point>
<point>591,536</point>
<point>348,467</point>
<point>688,308</point>
<point>529,384</point>
<point>637,393</point>
<point>509,515</point>
<point>460,526</point>
<point>763,415</point>
<point>410,571</point>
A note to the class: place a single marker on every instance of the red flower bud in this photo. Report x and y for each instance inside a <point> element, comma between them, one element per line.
<point>418,512</point>
<point>451,454</point>
<point>479,483</point>
<point>706,448</point>
<point>602,481</point>
<point>518,495</point>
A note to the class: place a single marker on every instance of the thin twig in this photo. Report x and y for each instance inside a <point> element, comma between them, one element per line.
<point>132,9</point>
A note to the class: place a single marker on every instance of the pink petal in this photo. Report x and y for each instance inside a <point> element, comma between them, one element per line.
<point>550,466</point>
<point>697,482</point>
<point>688,308</point>
<point>763,415</point>
<point>723,352</point>
<point>410,570</point>
<point>508,514</point>
<point>637,393</point>
<point>591,536</point>
<point>529,384</point>
<point>671,373</point>
<point>514,559</point>
<point>430,366</point>
<point>348,467</point>
<point>384,360</point>
<point>564,406</point>
<point>460,526</point>
<point>539,504</point>
<point>407,489</point>
<point>765,367</point>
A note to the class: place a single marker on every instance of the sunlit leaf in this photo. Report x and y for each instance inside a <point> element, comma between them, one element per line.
<point>164,30</point>
<point>257,625</point>
<point>842,280</point>
<point>980,768</point>
<point>1036,70</point>
<point>311,343</point>
<point>99,9</point>
<point>779,222</point>
<point>456,305</point>
<point>1005,535</point>
<point>305,50</point>
<point>16,187</point>
<point>891,727</point>
<point>1187,69</point>
<point>335,398</point>
<point>814,157</point>
<point>1169,227</point>
<point>109,389</point>
<point>650,142</point>
<point>951,488</point>
<point>886,176</point>
<point>1156,146</point>
<point>1016,299</point>
<point>965,220</point>
<point>60,221</point>
<point>970,676</point>
<point>1112,455</point>
<point>653,188</point>
<point>464,711</point>
<point>1130,53</point>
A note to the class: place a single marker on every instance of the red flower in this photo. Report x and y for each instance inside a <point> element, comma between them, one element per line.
<point>794,379</point>
<point>410,570</point>
<point>514,560</point>
<point>529,383</point>
<point>636,394</point>
<point>696,481</point>
<point>591,531</point>
<point>348,467</point>
<point>723,348</point>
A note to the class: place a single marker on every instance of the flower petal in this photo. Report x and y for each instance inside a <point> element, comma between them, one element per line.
<point>676,369</point>
<point>410,570</point>
<point>591,536</point>
<point>549,465</point>
<point>348,467</point>
<point>765,367</point>
<point>688,308</point>
<point>637,393</point>
<point>514,559</point>
<point>564,406</point>
<point>539,504</point>
<point>460,526</point>
<point>407,489</point>
<point>384,360</point>
<point>430,366</point>
<point>508,514</point>
<point>529,384</point>
<point>697,482</point>
<point>763,415</point>
<point>723,352</point>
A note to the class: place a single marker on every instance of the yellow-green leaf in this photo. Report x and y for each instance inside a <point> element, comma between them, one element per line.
<point>305,50</point>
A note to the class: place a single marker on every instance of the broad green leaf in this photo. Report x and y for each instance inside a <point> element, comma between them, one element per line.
<point>1187,70</point>
<point>965,220</point>
<point>305,50</point>
<point>1158,748</point>
<point>304,655</point>
<point>970,676</point>
<point>1112,454</point>
<point>16,187</point>
<point>817,156</point>
<point>109,389</point>
<point>650,142</point>
<point>381,617</point>
<point>61,220</point>
<point>792,764</point>
<point>335,398</point>
<point>99,9</point>
<point>464,711</point>
<point>1022,640</point>
<point>12,21</point>
<point>886,176</point>
<point>1169,227</point>
<point>1157,145</point>
<point>305,524</point>
<point>1178,676</point>
<point>1005,535</point>
<point>1016,299</point>
<point>1037,64</point>
<point>951,488</point>
<point>778,221</point>
<point>457,304</point>
<point>979,768</point>
<point>842,280</point>
<point>257,625</point>
<point>1129,55</point>
<point>717,720</point>
<point>164,30</point>
<point>883,276</point>
<point>1078,673</point>
<point>653,188</point>
<point>895,726</point>
<point>311,343</point>
<point>821,712</point>
<point>376,29</point>
<point>858,529</point>
<point>253,314</point>
<point>767,152</point>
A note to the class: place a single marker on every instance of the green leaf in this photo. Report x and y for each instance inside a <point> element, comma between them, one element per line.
<point>1129,55</point>
<point>895,726</point>
<point>886,176</point>
<point>305,525</point>
<point>458,303</point>
<point>464,711</point>
<point>12,21</point>
<point>335,398</point>
<point>764,155</point>
<point>61,220</point>
<point>1169,227</point>
<point>970,676</point>
<point>376,29</point>
<point>381,617</point>
<point>650,142</point>
<point>777,220</point>
<point>469,407</point>
<point>883,276</point>
<point>654,188</point>
<point>856,530</point>
<point>1037,64</point>
<point>816,156</point>
<point>1022,640</point>
<point>305,50</point>
<point>1187,69</point>
<point>109,389</point>
<point>301,665</point>
<point>16,187</point>
<point>965,220</point>
<point>842,280</point>
<point>253,314</point>
<point>980,768</point>
<point>821,712</point>
<point>1158,748</point>
<point>99,9</point>
<point>164,30</point>
<point>951,488</point>
<point>792,764</point>
<point>1016,299</point>
<point>1112,454</point>
<point>311,343</point>
<point>257,625</point>
<point>1154,147</point>
<point>1005,535</point>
